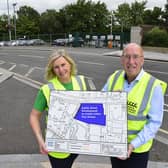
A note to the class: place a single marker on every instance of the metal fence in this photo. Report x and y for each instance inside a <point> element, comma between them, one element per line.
<point>91,40</point>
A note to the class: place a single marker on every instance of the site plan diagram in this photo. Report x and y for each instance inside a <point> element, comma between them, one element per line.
<point>88,122</point>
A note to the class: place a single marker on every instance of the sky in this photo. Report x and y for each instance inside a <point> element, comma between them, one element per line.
<point>42,5</point>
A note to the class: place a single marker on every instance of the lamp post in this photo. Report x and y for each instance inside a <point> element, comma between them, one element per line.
<point>9,26</point>
<point>111,24</point>
<point>14,17</point>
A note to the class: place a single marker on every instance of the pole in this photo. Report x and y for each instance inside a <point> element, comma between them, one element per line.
<point>14,5</point>
<point>121,37</point>
<point>9,26</point>
<point>111,25</point>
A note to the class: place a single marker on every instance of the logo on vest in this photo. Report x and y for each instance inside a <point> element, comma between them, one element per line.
<point>132,107</point>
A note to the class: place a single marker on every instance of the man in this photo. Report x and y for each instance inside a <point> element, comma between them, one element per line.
<point>144,103</point>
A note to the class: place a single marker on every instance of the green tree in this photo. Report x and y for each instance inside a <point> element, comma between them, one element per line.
<point>153,17</point>
<point>49,22</point>
<point>165,15</point>
<point>123,16</point>
<point>85,17</point>
<point>28,21</point>
<point>3,23</point>
<point>137,12</point>
<point>156,37</point>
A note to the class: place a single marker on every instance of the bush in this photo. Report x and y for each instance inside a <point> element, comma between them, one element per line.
<point>156,37</point>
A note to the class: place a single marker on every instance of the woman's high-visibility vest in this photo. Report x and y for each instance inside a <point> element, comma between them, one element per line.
<point>138,103</point>
<point>78,83</point>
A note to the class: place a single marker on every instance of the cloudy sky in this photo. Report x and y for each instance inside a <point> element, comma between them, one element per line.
<point>42,5</point>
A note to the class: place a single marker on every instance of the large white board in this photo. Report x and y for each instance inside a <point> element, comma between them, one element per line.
<point>88,122</point>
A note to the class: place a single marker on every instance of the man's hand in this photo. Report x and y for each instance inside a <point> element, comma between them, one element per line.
<point>130,149</point>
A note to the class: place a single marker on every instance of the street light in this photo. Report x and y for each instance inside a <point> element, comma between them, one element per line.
<point>14,17</point>
<point>111,24</point>
<point>9,25</point>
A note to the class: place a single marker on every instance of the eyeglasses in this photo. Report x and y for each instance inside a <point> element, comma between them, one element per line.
<point>135,57</point>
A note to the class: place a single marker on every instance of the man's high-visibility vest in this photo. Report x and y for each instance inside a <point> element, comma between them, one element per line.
<point>138,103</point>
<point>78,83</point>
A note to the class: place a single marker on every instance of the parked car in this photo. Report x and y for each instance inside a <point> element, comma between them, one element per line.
<point>76,42</point>
<point>60,42</point>
<point>3,43</point>
<point>35,42</point>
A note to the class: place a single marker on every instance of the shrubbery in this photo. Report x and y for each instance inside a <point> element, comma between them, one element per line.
<point>156,37</point>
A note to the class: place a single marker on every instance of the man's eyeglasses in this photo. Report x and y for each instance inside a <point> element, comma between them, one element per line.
<point>135,57</point>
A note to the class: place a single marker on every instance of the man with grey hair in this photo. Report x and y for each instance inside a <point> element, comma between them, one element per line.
<point>144,105</point>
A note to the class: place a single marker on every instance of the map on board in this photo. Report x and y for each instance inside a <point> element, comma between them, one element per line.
<point>88,122</point>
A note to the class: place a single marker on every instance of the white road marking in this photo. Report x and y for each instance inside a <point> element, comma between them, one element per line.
<point>29,72</point>
<point>23,65</point>
<point>161,139</point>
<point>12,67</point>
<point>92,63</point>
<point>159,72</point>
<point>163,131</point>
<point>27,81</point>
<point>31,56</point>
<point>2,62</point>
<point>91,84</point>
<point>3,53</point>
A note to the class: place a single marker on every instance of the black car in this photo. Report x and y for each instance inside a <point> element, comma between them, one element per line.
<point>76,42</point>
<point>60,42</point>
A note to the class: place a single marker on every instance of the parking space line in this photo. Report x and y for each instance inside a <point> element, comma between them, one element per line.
<point>12,67</point>
<point>159,72</point>
<point>93,63</point>
<point>163,131</point>
<point>30,56</point>
<point>27,81</point>
<point>3,53</point>
<point>2,62</point>
<point>29,72</point>
<point>166,110</point>
<point>161,139</point>
<point>91,84</point>
<point>23,65</point>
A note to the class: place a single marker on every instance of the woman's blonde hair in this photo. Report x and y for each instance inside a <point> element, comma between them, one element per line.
<point>49,73</point>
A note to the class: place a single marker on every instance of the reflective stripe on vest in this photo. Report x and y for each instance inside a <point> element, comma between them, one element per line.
<point>118,73</point>
<point>144,102</point>
<point>52,88</point>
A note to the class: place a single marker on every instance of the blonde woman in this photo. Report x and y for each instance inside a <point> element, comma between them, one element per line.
<point>61,75</point>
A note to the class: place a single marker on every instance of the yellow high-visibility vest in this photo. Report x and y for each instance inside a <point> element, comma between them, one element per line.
<point>78,83</point>
<point>138,103</point>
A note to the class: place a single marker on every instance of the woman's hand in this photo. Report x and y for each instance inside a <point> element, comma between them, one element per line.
<point>42,148</point>
<point>35,124</point>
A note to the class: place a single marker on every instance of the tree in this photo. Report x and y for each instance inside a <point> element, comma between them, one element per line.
<point>165,15</point>
<point>153,17</point>
<point>28,21</point>
<point>3,23</point>
<point>123,16</point>
<point>156,37</point>
<point>137,12</point>
<point>51,19</point>
<point>85,17</point>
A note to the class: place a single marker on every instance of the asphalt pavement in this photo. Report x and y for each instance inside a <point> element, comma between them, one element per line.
<point>41,161</point>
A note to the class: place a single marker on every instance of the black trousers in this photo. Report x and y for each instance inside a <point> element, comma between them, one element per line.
<point>62,163</point>
<point>136,160</point>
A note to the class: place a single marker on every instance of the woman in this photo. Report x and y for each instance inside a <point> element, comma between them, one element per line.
<point>61,74</point>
